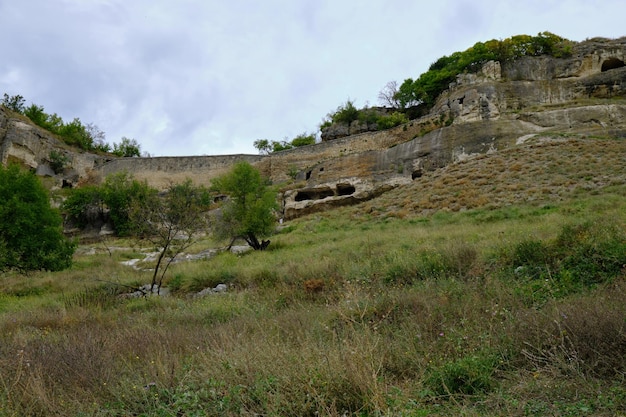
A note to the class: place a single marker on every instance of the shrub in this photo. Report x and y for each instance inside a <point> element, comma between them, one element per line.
<point>119,191</point>
<point>14,103</point>
<point>127,148</point>
<point>589,253</point>
<point>346,113</point>
<point>58,161</point>
<point>31,234</point>
<point>592,252</point>
<point>83,205</point>
<point>393,120</point>
<point>442,72</point>
<point>469,375</point>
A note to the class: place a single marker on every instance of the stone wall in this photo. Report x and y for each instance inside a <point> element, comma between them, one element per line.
<point>479,113</point>
<point>160,172</point>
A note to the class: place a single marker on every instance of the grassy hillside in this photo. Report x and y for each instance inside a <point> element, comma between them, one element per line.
<point>494,286</point>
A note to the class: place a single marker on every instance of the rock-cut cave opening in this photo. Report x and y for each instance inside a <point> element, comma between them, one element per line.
<point>314,194</point>
<point>612,63</point>
<point>345,189</point>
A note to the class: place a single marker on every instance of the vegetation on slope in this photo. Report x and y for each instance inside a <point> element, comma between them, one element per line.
<point>428,86</point>
<point>86,137</point>
<point>509,306</point>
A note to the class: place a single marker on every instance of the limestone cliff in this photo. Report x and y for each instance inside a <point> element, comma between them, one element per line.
<point>24,143</point>
<point>503,105</point>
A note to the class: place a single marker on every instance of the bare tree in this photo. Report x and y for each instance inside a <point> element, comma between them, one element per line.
<point>172,222</point>
<point>388,95</point>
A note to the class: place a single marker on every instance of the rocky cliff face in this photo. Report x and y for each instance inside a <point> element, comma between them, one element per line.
<point>503,105</point>
<point>24,143</point>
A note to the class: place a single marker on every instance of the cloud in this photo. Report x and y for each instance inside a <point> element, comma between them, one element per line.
<point>191,77</point>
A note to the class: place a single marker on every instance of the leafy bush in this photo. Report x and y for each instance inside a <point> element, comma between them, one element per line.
<point>580,256</point>
<point>31,234</point>
<point>469,375</point>
<point>127,148</point>
<point>119,192</point>
<point>14,103</point>
<point>442,72</point>
<point>116,196</point>
<point>266,147</point>
<point>592,252</point>
<point>393,120</point>
<point>58,161</point>
<point>83,204</point>
<point>346,113</point>
<point>249,212</point>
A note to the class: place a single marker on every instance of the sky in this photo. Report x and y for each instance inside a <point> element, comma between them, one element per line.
<point>209,77</point>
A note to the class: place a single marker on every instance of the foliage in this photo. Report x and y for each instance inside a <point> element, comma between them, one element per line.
<point>84,136</point>
<point>58,161</point>
<point>119,192</point>
<point>266,147</point>
<point>388,95</point>
<point>263,146</point>
<point>127,148</point>
<point>581,256</point>
<point>14,103</point>
<point>171,222</point>
<point>303,139</point>
<point>249,211</point>
<point>394,119</point>
<point>31,235</point>
<point>442,72</point>
<point>469,375</point>
<point>372,117</point>
<point>82,204</point>
<point>116,195</point>
<point>345,113</point>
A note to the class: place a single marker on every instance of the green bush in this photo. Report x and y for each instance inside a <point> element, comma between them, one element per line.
<point>346,113</point>
<point>118,193</point>
<point>442,72</point>
<point>393,120</point>
<point>58,161</point>
<point>81,203</point>
<point>469,375</point>
<point>14,103</point>
<point>580,256</point>
<point>592,252</point>
<point>31,232</point>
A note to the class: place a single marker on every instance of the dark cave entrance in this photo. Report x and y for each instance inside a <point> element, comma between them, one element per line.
<point>611,63</point>
<point>345,189</point>
<point>314,194</point>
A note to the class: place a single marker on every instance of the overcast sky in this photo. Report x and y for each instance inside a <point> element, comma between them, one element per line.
<point>209,77</point>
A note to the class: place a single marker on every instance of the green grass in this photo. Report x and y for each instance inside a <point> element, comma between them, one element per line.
<point>507,309</point>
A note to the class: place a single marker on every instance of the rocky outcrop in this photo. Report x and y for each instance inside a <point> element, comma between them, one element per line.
<point>500,106</point>
<point>24,143</point>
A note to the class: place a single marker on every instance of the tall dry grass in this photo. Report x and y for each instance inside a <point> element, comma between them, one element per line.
<point>358,311</point>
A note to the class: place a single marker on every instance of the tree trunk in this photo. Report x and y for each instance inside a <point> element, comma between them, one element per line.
<point>254,242</point>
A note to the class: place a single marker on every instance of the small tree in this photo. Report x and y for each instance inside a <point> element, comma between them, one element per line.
<point>249,212</point>
<point>263,145</point>
<point>388,95</point>
<point>15,103</point>
<point>303,139</point>
<point>127,148</point>
<point>171,222</point>
<point>58,161</point>
<point>120,192</point>
<point>31,231</point>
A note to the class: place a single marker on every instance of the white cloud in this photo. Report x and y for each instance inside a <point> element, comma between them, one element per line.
<point>210,77</point>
